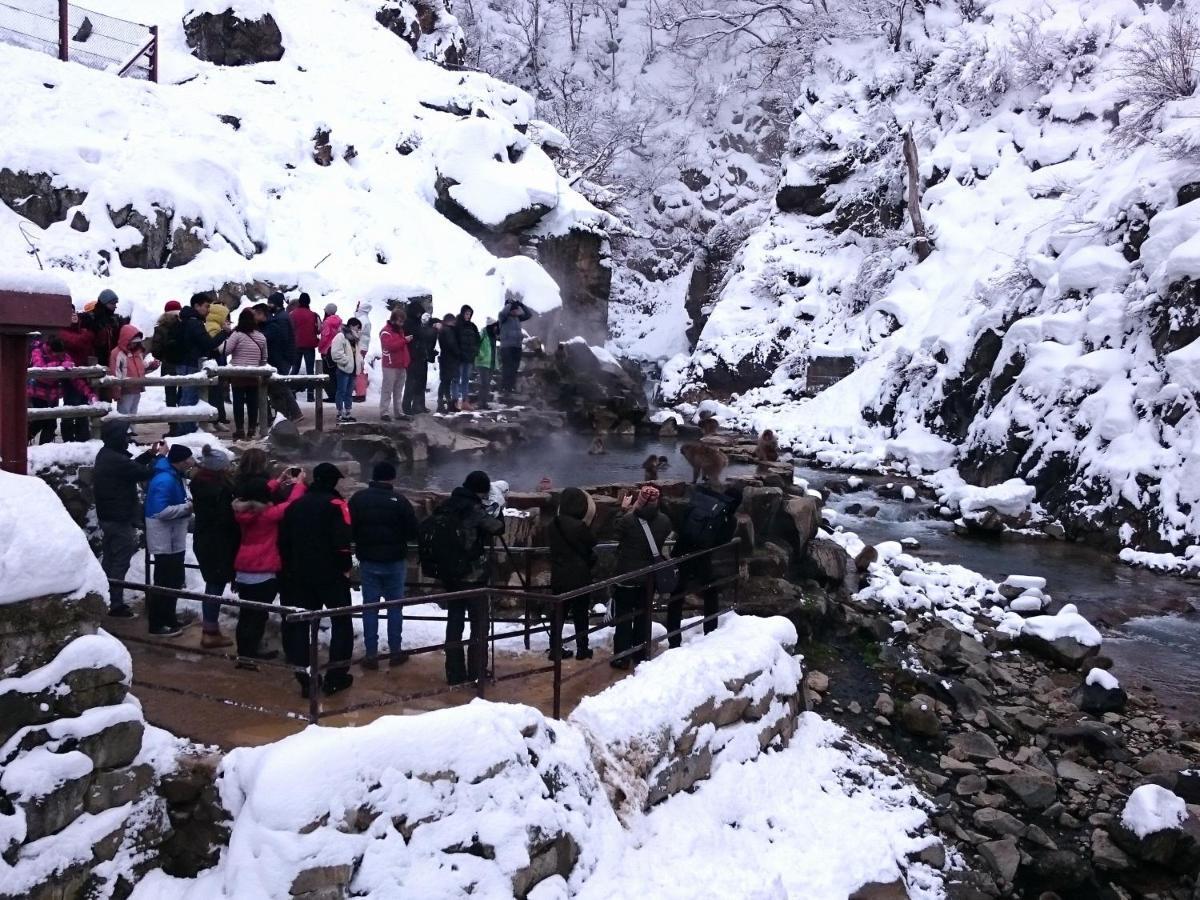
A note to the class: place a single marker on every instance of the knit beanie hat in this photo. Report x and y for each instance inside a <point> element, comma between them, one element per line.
<point>214,460</point>
<point>277,301</point>
<point>327,474</point>
<point>172,306</point>
<point>478,483</point>
<point>178,453</point>
<point>108,295</point>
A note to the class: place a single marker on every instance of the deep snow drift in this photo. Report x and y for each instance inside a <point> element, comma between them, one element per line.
<point>1050,334</point>
<point>227,156</point>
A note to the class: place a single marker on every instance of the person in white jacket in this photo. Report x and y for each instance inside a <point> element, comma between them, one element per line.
<point>349,364</point>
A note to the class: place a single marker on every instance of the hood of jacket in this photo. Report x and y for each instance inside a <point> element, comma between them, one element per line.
<point>189,312</point>
<point>249,507</point>
<point>128,333</point>
<point>574,503</point>
<point>115,436</point>
<point>217,314</point>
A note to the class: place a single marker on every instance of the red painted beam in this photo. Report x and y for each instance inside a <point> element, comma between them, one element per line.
<point>14,423</point>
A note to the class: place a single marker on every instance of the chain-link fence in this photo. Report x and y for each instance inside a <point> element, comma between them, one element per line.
<point>81,35</point>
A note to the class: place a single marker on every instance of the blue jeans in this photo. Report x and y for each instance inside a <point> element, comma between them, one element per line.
<point>188,396</point>
<point>344,398</point>
<point>382,581</point>
<point>462,384</point>
<point>210,610</point>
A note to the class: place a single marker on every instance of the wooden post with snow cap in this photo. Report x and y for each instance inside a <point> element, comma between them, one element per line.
<point>28,303</point>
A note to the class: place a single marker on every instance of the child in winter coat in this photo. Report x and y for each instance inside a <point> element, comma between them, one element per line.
<point>393,341</point>
<point>128,360</point>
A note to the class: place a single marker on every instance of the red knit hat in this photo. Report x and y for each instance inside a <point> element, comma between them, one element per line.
<point>172,306</point>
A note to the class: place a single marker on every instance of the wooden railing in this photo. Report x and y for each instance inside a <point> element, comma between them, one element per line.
<point>98,377</point>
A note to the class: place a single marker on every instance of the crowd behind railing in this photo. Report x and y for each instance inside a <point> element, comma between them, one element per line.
<point>100,365</point>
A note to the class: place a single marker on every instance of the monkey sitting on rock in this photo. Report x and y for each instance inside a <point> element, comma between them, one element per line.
<point>709,425</point>
<point>597,448</point>
<point>705,460</point>
<point>767,449</point>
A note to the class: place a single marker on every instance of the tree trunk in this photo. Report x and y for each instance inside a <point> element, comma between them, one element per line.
<point>920,236</point>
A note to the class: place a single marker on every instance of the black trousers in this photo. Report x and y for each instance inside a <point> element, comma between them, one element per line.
<point>446,375</point>
<point>243,398</point>
<point>168,573</point>
<point>119,544</point>
<point>74,430</point>
<point>629,599</point>
<point>510,365</point>
<point>579,610</point>
<point>485,384</point>
<point>693,573</point>
<point>307,356</point>
<point>330,369</point>
<point>44,430</point>
<point>462,665</point>
<point>295,636</point>
<point>252,623</point>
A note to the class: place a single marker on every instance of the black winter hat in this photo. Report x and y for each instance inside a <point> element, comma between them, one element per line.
<point>327,474</point>
<point>478,483</point>
<point>178,453</point>
<point>277,301</point>
<point>383,471</point>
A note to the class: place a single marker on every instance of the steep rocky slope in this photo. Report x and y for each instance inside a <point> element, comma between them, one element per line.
<point>1049,334</point>
<point>302,145</point>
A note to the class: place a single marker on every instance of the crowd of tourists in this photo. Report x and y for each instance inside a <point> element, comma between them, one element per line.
<point>291,536</point>
<point>287,336</point>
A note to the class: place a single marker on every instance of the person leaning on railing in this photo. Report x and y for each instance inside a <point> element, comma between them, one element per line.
<point>49,353</point>
<point>572,558</point>
<point>168,515</point>
<point>636,550</point>
<point>197,345</point>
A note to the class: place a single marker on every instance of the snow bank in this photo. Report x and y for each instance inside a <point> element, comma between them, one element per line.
<point>43,551</point>
<point>1011,499</point>
<point>1066,623</point>
<point>1151,808</point>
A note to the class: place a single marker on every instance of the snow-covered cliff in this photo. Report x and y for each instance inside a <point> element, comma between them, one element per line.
<point>1050,333</point>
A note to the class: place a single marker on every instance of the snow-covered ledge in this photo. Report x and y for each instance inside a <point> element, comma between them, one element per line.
<point>78,764</point>
<point>733,693</point>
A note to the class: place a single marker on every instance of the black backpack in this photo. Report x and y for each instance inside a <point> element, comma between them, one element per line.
<point>706,519</point>
<point>442,546</point>
<point>167,341</point>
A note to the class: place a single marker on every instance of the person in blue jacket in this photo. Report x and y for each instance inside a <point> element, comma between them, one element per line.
<point>168,512</point>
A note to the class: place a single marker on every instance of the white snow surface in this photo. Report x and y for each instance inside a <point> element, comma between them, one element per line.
<point>266,209</point>
<point>1151,808</point>
<point>1103,678</point>
<point>43,551</point>
<point>1066,623</point>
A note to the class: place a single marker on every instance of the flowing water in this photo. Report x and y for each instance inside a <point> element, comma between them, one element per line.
<point>1151,622</point>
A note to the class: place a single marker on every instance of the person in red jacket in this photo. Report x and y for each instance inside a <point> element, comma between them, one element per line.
<point>307,326</point>
<point>331,326</point>
<point>80,345</point>
<point>393,350</point>
<point>257,564</point>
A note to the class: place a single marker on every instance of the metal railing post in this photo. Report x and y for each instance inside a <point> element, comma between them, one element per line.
<point>477,647</point>
<point>154,54</point>
<point>314,672</point>
<point>556,630</point>
<point>264,406</point>
<point>319,412</point>
<point>64,46</point>
<point>648,619</point>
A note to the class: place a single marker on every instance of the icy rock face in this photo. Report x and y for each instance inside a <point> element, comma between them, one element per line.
<point>35,196</point>
<point>657,733</point>
<point>427,26</point>
<point>227,39</point>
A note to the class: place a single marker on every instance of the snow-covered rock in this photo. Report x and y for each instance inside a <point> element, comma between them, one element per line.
<point>1101,693</point>
<point>1066,637</point>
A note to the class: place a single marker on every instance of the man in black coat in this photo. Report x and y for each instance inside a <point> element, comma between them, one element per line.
<point>449,360</point>
<point>477,529</point>
<point>572,557</point>
<point>314,547</point>
<point>115,480</point>
<point>709,520</point>
<point>281,353</point>
<point>383,523</point>
<point>420,351</point>
<point>196,345</point>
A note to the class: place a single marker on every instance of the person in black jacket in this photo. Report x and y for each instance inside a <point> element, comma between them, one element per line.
<point>709,520</point>
<point>637,550</point>
<point>314,547</point>
<point>467,333</point>
<point>281,353</point>
<point>572,558</point>
<point>215,537</point>
<point>383,523</point>
<point>420,353</point>
<point>448,362</point>
<point>115,480</point>
<point>477,529</point>
<point>196,345</point>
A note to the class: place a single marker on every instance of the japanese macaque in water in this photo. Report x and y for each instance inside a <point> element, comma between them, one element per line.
<point>650,468</point>
<point>768,447</point>
<point>597,448</point>
<point>705,460</point>
<point>709,426</point>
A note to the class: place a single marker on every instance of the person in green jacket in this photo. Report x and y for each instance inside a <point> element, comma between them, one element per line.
<point>485,361</point>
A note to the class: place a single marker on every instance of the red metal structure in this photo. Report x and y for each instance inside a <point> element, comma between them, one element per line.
<point>20,314</point>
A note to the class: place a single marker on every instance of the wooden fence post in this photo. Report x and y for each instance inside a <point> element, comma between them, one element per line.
<point>64,46</point>
<point>154,55</point>
<point>318,368</point>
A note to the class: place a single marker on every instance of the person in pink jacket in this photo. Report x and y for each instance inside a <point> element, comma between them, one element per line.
<point>128,360</point>
<point>331,325</point>
<point>257,564</point>
<point>393,351</point>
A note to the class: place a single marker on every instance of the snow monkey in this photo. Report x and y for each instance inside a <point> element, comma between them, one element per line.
<point>705,460</point>
<point>597,448</point>
<point>709,425</point>
<point>768,447</point>
<point>650,467</point>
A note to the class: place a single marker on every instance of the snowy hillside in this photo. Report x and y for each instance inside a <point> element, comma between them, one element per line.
<point>1049,335</point>
<point>319,171</point>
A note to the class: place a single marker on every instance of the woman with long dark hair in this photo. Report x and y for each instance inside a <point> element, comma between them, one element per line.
<point>245,347</point>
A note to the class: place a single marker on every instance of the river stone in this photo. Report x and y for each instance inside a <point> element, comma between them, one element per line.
<point>800,520</point>
<point>878,890</point>
<point>996,821</point>
<point>1101,741</point>
<point>1084,778</point>
<point>885,705</point>
<point>228,40</point>
<point>1003,856</point>
<point>1035,789</point>
<point>1064,651</point>
<point>1177,849</point>
<point>1158,762</point>
<point>973,745</point>
<point>1106,855</point>
<point>762,505</point>
<point>1098,700</point>
<point>919,717</point>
